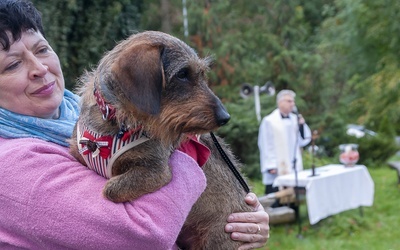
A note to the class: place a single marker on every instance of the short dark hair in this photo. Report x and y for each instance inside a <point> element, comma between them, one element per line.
<point>17,16</point>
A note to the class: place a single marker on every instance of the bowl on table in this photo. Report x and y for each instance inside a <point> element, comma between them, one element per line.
<point>349,155</point>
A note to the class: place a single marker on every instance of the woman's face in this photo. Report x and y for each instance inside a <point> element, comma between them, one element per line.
<point>31,80</point>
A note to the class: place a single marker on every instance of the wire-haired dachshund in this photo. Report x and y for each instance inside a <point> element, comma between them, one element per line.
<point>147,96</point>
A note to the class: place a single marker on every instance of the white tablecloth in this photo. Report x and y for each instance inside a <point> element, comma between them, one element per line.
<point>335,189</point>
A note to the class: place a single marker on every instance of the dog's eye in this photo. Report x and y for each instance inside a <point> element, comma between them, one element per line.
<point>183,75</point>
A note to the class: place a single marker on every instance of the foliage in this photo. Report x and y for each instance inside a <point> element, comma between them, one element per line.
<point>241,133</point>
<point>82,31</point>
<point>360,45</point>
<point>332,133</point>
<point>254,42</point>
<point>376,149</point>
<point>341,57</point>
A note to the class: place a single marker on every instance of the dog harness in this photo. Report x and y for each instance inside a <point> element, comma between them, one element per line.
<point>101,151</point>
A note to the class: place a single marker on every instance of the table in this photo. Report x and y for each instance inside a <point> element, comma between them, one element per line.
<point>334,189</point>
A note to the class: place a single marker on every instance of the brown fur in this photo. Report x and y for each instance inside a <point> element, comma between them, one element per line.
<point>204,228</point>
<point>156,80</point>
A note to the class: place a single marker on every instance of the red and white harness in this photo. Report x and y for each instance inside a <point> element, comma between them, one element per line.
<point>101,151</point>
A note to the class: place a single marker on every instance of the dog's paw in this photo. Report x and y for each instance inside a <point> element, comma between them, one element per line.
<point>115,193</point>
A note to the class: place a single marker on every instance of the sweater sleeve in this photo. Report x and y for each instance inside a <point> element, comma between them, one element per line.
<point>50,201</point>
<point>305,138</point>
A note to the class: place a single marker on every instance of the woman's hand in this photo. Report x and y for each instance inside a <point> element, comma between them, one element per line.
<point>249,227</point>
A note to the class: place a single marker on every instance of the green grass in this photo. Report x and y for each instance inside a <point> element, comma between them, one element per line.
<point>379,228</point>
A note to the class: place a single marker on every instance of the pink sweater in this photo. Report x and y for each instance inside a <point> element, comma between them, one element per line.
<point>50,201</point>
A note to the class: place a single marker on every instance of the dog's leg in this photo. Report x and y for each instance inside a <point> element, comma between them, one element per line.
<point>136,182</point>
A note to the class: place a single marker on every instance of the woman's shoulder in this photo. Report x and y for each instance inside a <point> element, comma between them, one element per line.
<point>25,145</point>
<point>25,160</point>
<point>44,191</point>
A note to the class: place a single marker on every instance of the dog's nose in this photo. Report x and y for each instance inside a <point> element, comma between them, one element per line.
<point>222,117</point>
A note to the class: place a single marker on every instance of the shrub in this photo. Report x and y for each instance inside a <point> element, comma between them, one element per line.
<point>242,134</point>
<point>376,150</point>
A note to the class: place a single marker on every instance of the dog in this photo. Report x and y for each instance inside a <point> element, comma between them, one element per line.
<point>204,227</point>
<point>145,97</point>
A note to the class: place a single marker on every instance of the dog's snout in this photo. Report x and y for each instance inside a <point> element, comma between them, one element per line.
<point>222,116</point>
<point>222,120</point>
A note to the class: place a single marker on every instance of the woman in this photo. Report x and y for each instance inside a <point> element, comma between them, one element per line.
<point>49,200</point>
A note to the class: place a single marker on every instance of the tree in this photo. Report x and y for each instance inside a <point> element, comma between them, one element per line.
<point>341,57</point>
<point>254,42</point>
<point>360,45</point>
<point>81,31</point>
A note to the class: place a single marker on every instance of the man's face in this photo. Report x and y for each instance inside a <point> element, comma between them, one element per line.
<point>286,104</point>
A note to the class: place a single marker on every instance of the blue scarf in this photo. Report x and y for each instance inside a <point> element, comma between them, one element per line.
<point>13,125</point>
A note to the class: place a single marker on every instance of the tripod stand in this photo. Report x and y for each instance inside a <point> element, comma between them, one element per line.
<point>296,187</point>
<point>313,138</point>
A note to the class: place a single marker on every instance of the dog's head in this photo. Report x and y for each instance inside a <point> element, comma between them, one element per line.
<point>159,80</point>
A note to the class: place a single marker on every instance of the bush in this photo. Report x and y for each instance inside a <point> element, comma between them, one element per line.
<point>373,149</point>
<point>332,134</point>
<point>242,134</point>
<point>376,150</point>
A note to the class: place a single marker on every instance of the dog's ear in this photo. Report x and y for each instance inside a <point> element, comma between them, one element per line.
<point>139,72</point>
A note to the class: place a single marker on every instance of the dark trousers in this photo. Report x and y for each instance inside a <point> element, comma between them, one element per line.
<point>270,189</point>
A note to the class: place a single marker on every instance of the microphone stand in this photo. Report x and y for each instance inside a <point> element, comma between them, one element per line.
<point>296,191</point>
<point>313,137</point>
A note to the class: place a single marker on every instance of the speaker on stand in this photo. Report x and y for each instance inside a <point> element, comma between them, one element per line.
<point>247,90</point>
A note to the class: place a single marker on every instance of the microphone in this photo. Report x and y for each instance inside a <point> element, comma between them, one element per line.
<point>299,118</point>
<point>295,110</point>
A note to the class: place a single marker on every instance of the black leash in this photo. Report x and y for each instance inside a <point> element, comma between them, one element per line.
<point>230,164</point>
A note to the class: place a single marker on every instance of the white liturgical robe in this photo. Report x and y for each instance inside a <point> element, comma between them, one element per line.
<point>279,141</point>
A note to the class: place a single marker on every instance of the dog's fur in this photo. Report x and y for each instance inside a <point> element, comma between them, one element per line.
<point>157,81</point>
<point>204,228</point>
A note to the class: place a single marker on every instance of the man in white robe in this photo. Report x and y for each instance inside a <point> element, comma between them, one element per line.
<point>281,136</point>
